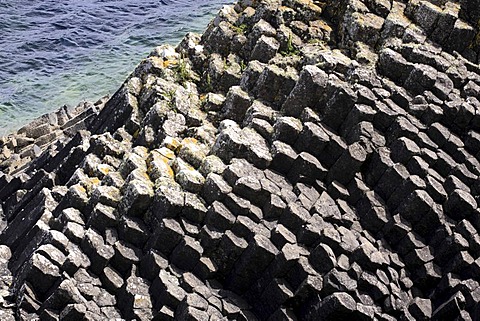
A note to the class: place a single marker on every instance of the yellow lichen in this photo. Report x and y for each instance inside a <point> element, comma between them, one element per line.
<point>169,154</point>
<point>104,169</point>
<point>159,165</point>
<point>169,171</point>
<point>156,62</point>
<point>189,140</point>
<point>80,188</point>
<point>91,184</point>
<point>171,143</point>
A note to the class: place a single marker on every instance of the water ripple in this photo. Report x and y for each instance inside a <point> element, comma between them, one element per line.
<point>57,52</point>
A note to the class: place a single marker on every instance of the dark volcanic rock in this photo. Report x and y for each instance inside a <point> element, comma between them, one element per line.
<point>301,160</point>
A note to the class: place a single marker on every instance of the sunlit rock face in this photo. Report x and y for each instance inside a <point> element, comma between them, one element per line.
<point>300,160</point>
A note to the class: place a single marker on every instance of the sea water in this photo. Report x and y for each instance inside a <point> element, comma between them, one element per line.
<point>56,52</point>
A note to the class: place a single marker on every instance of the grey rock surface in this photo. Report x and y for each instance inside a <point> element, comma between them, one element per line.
<point>300,160</point>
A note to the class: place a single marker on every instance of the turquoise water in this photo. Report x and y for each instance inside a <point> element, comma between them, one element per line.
<point>57,52</point>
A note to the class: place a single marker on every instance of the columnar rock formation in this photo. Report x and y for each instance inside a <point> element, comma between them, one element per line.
<point>300,160</point>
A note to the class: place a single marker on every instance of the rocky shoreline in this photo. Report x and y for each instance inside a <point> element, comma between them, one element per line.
<point>300,160</point>
<point>50,131</point>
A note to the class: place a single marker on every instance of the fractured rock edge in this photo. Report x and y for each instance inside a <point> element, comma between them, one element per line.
<point>300,160</point>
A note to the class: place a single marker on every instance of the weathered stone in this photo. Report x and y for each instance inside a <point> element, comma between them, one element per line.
<point>137,197</point>
<point>131,162</point>
<point>190,179</point>
<point>265,49</point>
<point>460,204</point>
<point>259,253</point>
<point>134,299</point>
<point>212,164</point>
<point>158,165</point>
<point>263,127</point>
<point>364,27</point>
<point>125,256</point>
<point>42,273</point>
<point>287,129</point>
<point>236,103</point>
<point>393,65</point>
<point>283,156</point>
<point>168,200</point>
<point>275,84</point>
<point>215,188</point>
<point>348,164</point>
<point>112,280</point>
<point>168,288</point>
<point>103,216</point>
<point>306,168</point>
<point>193,314</point>
<point>323,259</point>
<point>213,102</point>
<point>230,245</point>
<point>451,308</point>
<point>274,208</point>
<point>230,142</point>
<point>251,74</point>
<point>187,254</point>
<point>403,149</point>
<point>258,152</point>
<point>294,216</point>
<point>151,264</point>
<point>73,312</point>
<point>335,306</point>
<point>219,217</point>
<point>300,160</point>
<point>134,231</point>
<point>421,309</point>
<point>312,138</point>
<point>167,235</point>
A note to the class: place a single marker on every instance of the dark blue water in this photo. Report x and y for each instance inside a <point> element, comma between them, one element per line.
<point>56,52</point>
